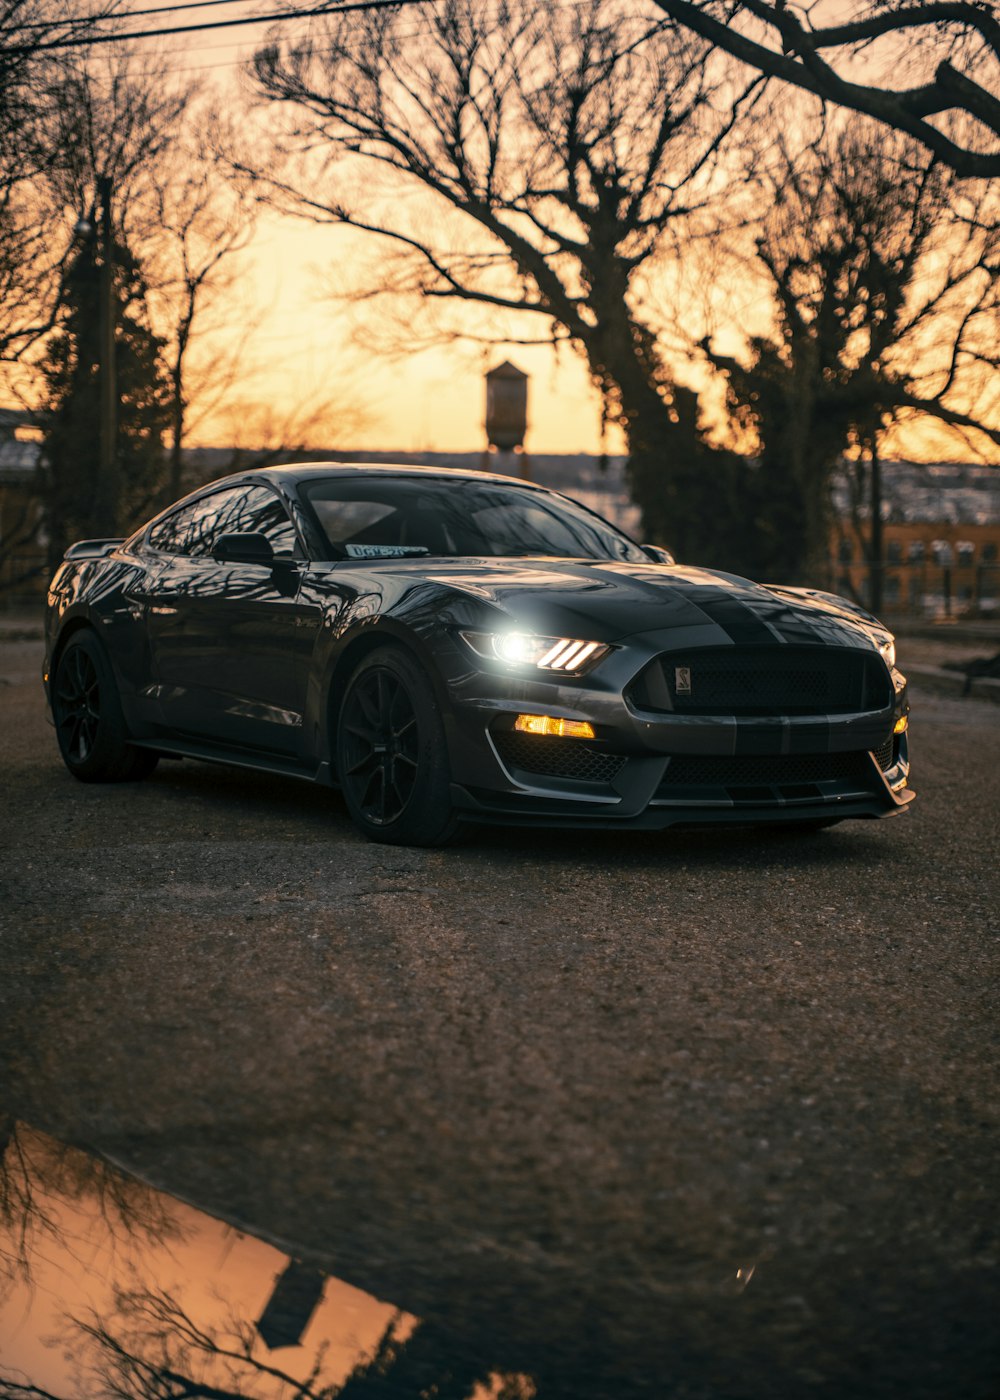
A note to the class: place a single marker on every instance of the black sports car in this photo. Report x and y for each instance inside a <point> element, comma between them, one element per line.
<point>454,646</point>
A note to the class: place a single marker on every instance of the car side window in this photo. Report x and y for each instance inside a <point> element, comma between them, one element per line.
<point>254,510</point>
<point>194,528</point>
<point>241,510</point>
<point>170,534</point>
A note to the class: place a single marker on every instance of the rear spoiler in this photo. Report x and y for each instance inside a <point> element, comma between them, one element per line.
<point>92,549</point>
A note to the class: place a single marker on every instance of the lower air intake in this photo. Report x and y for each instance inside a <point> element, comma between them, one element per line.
<point>751,770</point>
<point>557,758</point>
<point>885,754</point>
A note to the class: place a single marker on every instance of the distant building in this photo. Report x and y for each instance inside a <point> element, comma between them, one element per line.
<point>23,562</point>
<point>940,539</point>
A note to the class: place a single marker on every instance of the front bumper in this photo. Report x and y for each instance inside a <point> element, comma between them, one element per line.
<point>653,770</point>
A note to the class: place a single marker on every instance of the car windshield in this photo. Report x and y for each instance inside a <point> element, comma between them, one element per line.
<point>397,517</point>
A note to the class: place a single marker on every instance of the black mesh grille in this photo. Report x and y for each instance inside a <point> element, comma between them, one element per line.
<point>763,688</point>
<point>784,680</point>
<point>764,770</point>
<point>885,754</point>
<point>557,758</point>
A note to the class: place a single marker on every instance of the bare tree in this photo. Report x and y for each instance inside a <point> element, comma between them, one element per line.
<point>953,44</point>
<point>36,1171</point>
<point>885,275</point>
<point>30,266</point>
<point>525,165</point>
<point>263,434</point>
<point>116,116</point>
<point>20,560</point>
<point>105,118</point>
<point>196,225</point>
<point>30,256</point>
<point>27,27</point>
<point>153,1349</point>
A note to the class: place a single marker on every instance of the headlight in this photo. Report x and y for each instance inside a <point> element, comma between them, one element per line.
<point>887,651</point>
<point>568,655</point>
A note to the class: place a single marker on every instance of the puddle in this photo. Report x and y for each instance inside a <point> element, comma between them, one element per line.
<point>111,1288</point>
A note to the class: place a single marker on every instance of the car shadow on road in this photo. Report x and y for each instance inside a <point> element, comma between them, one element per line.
<point>723,847</point>
<point>233,800</point>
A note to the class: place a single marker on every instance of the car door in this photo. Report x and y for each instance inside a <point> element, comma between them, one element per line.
<point>231,642</point>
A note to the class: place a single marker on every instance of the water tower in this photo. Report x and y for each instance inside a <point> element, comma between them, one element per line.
<point>507,419</point>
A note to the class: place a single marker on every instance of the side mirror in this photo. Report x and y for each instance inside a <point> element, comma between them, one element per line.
<point>244,549</point>
<point>658,555</point>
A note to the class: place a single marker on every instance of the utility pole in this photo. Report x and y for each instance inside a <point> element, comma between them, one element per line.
<point>108,480</point>
<point>876,547</point>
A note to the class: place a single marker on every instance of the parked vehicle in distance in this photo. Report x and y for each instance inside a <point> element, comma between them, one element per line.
<point>448,647</point>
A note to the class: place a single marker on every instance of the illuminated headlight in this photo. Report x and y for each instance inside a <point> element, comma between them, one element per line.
<point>887,651</point>
<point>565,654</point>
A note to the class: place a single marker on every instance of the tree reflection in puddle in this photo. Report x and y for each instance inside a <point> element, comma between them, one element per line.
<point>109,1288</point>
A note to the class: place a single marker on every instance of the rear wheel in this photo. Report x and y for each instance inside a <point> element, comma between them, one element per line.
<point>88,717</point>
<point>392,760</point>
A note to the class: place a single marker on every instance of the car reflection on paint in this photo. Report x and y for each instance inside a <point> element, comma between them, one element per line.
<point>454,647</point>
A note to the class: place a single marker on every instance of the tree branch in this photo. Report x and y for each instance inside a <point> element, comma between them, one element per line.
<point>800,64</point>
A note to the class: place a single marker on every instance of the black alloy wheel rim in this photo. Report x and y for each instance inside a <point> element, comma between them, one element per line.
<point>78,697</point>
<point>381,746</point>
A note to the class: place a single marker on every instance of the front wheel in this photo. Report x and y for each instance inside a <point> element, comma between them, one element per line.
<point>392,759</point>
<point>88,717</point>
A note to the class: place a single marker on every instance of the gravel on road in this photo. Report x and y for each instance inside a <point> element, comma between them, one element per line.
<point>559,1092</point>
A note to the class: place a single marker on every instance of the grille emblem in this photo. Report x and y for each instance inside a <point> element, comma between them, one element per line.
<point>682,680</point>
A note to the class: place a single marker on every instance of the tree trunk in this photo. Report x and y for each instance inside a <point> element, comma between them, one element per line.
<point>685,491</point>
<point>176,434</point>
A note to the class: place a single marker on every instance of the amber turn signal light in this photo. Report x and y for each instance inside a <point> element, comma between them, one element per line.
<point>548,724</point>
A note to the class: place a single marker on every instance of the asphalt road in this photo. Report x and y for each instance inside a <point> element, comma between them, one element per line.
<point>550,1091</point>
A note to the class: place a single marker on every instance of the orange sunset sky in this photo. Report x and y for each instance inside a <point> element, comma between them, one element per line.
<point>300,352</point>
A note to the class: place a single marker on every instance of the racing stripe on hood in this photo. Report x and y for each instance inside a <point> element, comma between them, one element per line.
<point>759,618</point>
<point>741,623</point>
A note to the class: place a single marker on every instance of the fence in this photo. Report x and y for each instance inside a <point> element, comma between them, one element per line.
<point>925,588</point>
<point>24,578</point>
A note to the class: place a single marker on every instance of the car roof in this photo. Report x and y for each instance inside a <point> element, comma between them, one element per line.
<point>298,472</point>
<point>292,474</point>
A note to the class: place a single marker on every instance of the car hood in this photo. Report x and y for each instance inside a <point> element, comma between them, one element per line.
<point>608,601</point>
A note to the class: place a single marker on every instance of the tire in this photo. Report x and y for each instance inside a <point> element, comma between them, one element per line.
<point>88,717</point>
<point>392,759</point>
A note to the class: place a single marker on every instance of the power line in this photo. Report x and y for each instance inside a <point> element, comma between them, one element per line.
<point>113,13</point>
<point>279,17</point>
<point>419,27</point>
<point>172,9</point>
<point>236,61</point>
